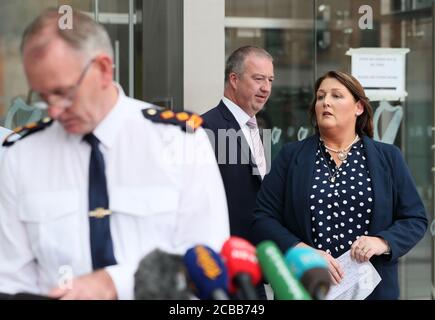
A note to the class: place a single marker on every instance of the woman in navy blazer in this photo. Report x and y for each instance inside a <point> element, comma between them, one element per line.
<point>339,190</point>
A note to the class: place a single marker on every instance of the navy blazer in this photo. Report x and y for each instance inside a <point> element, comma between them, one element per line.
<point>241,185</point>
<point>282,212</point>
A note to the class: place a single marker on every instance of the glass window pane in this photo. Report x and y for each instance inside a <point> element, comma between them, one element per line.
<point>15,15</point>
<point>286,32</point>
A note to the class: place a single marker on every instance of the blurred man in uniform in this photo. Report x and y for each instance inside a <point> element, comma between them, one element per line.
<point>86,193</point>
<point>3,134</point>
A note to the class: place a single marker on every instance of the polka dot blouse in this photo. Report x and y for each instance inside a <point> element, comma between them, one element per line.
<point>340,210</point>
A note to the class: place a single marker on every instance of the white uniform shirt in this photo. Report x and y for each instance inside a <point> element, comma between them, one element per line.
<point>160,194</point>
<point>3,134</point>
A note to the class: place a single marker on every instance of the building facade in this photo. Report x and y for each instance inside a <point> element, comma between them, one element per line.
<point>172,53</point>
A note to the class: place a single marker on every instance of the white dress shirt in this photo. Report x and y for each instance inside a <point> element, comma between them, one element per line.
<point>242,118</point>
<point>164,186</point>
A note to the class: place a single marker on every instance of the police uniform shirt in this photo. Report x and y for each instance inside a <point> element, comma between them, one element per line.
<point>164,187</point>
<point>3,134</point>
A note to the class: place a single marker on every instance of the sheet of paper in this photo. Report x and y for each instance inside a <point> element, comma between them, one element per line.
<point>359,280</point>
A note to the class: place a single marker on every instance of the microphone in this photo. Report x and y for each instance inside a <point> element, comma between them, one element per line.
<point>161,276</point>
<point>243,268</point>
<point>207,273</point>
<point>284,284</point>
<point>311,269</point>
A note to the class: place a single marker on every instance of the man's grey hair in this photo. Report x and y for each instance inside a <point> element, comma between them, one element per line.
<point>236,61</point>
<point>86,35</point>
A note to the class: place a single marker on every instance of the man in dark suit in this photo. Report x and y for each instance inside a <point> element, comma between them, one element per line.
<point>248,83</point>
<point>235,135</point>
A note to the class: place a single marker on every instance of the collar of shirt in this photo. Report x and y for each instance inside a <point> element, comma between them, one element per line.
<point>108,128</point>
<point>241,116</point>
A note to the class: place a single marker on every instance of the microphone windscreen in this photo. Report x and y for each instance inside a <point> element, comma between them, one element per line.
<point>311,269</point>
<point>206,271</point>
<point>240,257</point>
<point>284,284</point>
<point>301,259</point>
<point>161,276</point>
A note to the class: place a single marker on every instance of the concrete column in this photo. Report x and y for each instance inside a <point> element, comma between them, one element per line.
<point>204,53</point>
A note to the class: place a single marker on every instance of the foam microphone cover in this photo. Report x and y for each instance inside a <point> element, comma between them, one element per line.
<point>311,269</point>
<point>207,273</point>
<point>240,258</point>
<point>161,276</point>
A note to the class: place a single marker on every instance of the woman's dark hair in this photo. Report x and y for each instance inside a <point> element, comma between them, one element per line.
<point>364,122</point>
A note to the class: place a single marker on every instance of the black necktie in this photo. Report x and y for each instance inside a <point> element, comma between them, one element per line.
<point>99,215</point>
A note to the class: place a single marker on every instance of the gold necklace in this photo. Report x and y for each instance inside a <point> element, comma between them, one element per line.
<point>342,154</point>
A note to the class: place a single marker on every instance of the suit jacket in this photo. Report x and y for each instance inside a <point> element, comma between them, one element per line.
<point>236,166</point>
<point>282,212</point>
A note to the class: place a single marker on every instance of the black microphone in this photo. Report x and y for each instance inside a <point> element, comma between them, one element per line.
<point>161,276</point>
<point>311,269</point>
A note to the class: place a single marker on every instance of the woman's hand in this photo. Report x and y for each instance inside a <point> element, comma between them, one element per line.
<point>334,267</point>
<point>366,247</point>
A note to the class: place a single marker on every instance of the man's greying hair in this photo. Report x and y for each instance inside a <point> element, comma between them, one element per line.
<point>86,36</point>
<point>236,61</point>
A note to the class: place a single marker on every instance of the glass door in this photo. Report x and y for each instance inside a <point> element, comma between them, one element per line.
<point>119,17</point>
<point>122,21</point>
<point>286,30</point>
<point>342,25</point>
<point>14,17</point>
<point>308,38</point>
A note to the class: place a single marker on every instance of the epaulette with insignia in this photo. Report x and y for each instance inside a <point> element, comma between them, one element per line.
<point>188,121</point>
<point>26,130</point>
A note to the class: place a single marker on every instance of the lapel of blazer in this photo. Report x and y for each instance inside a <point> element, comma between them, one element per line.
<point>302,183</point>
<point>380,182</point>
<point>243,146</point>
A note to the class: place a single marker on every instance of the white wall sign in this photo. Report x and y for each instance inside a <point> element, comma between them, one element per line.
<point>381,72</point>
